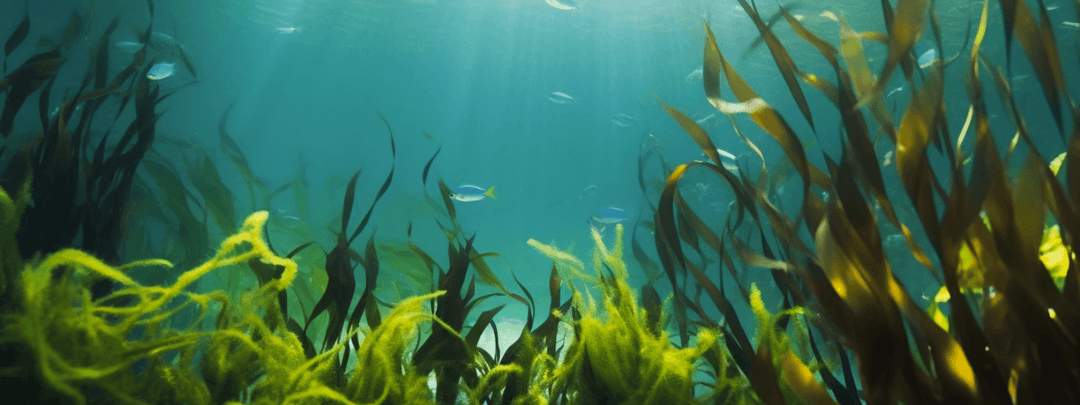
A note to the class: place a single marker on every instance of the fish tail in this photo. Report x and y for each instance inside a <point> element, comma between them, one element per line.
<point>490,193</point>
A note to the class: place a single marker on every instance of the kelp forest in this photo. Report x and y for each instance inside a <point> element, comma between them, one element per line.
<point>132,273</point>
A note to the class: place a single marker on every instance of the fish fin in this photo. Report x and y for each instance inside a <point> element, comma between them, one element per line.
<point>490,193</point>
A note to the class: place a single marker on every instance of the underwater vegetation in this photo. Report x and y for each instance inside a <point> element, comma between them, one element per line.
<point>1004,327</point>
<point>86,317</point>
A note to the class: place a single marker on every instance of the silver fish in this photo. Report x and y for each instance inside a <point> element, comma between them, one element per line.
<point>128,46</point>
<point>161,71</point>
<point>624,120</point>
<point>160,40</point>
<point>610,215</point>
<point>694,76</point>
<point>470,193</point>
<point>559,97</point>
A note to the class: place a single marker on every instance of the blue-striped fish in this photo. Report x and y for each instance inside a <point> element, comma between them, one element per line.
<point>470,193</point>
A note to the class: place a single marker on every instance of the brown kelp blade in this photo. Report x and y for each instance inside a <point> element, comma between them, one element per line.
<point>347,206</point>
<point>695,131</point>
<point>23,81</point>
<point>913,138</point>
<point>175,199</point>
<point>385,185</point>
<point>481,324</point>
<point>71,31</point>
<point>857,79</point>
<point>367,304</point>
<point>763,115</point>
<point>338,294</point>
<point>911,16</point>
<point>235,155</point>
<point>218,198</point>
<point>444,191</point>
<point>427,166</point>
<point>784,63</point>
<point>19,35</point>
<point>483,271</point>
<point>1041,50</point>
<point>186,60</point>
<point>769,24</point>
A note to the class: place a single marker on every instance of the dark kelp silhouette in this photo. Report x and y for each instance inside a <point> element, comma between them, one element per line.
<point>845,275</point>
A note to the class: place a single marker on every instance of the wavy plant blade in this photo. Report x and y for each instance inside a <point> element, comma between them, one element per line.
<point>18,35</point>
<point>787,67</point>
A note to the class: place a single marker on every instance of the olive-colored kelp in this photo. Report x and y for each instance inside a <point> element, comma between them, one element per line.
<point>1000,245</point>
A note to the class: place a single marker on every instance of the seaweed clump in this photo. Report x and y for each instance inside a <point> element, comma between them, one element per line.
<point>94,351</point>
<point>997,242</point>
<point>622,359</point>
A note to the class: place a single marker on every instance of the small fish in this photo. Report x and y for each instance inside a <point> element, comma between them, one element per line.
<point>624,120</point>
<point>161,71</point>
<point>650,142</point>
<point>288,30</point>
<point>729,160</point>
<point>694,76</point>
<point>701,189</point>
<point>55,111</point>
<point>563,4</point>
<point>928,58</point>
<point>128,46</point>
<point>894,91</point>
<point>470,193</point>
<point>610,215</point>
<point>704,122</point>
<point>588,192</point>
<point>161,40</point>
<point>283,214</point>
<point>559,97</point>
<point>157,41</point>
<point>1070,24</point>
<point>894,240</point>
<point>888,159</point>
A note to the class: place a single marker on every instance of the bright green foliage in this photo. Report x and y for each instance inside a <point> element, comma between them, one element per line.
<point>380,377</point>
<point>525,380</point>
<point>122,349</point>
<point>10,212</point>
<point>99,343</point>
<point>618,360</point>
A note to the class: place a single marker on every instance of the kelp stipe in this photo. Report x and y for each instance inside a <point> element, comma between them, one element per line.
<point>619,360</point>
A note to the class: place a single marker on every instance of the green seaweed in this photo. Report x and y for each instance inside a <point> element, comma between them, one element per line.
<point>620,360</point>
<point>249,354</point>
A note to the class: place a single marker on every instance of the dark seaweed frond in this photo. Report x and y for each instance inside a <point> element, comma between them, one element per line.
<point>988,233</point>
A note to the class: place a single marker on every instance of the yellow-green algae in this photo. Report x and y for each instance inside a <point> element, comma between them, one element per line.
<point>127,352</point>
<point>618,360</point>
<point>125,348</point>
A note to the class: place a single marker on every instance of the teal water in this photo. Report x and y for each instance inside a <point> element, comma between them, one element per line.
<point>307,78</point>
